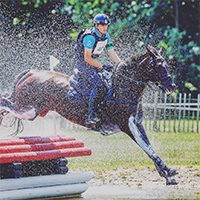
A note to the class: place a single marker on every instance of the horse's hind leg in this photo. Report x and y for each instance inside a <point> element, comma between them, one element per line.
<point>28,113</point>
<point>138,133</point>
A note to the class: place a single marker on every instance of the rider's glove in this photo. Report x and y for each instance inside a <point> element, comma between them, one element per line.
<point>107,67</point>
<point>106,74</point>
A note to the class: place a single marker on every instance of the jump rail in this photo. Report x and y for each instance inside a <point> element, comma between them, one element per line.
<point>36,167</point>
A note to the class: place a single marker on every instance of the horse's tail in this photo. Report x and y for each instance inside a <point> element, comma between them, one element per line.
<point>15,122</point>
<point>21,77</point>
<point>18,79</point>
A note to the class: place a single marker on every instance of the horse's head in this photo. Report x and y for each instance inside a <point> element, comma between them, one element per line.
<point>159,71</point>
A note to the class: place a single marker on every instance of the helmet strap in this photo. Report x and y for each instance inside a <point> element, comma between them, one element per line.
<point>99,31</point>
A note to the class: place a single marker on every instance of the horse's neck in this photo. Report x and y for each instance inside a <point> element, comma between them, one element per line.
<point>127,88</point>
<point>130,78</point>
<point>140,71</point>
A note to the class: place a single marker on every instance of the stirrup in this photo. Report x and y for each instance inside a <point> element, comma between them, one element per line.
<point>109,129</point>
<point>91,119</point>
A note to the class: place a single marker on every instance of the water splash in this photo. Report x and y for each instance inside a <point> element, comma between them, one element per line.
<point>30,48</point>
<point>22,49</point>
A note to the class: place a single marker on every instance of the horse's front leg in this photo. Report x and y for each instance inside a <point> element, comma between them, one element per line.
<point>170,172</point>
<point>138,133</point>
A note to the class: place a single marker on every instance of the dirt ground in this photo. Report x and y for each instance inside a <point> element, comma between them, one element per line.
<point>144,184</point>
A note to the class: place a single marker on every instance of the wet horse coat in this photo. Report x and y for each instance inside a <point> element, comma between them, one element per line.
<point>37,92</point>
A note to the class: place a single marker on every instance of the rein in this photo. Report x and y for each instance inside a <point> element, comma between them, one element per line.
<point>135,81</point>
<point>138,82</point>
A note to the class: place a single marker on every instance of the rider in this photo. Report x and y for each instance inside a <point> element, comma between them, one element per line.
<point>90,44</point>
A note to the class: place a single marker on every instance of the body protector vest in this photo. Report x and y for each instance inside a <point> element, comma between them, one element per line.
<point>99,46</point>
<point>85,77</point>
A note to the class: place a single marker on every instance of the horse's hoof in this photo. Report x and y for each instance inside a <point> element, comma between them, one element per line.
<point>171,172</point>
<point>171,182</point>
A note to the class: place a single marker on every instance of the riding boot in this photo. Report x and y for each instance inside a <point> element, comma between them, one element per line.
<point>91,116</point>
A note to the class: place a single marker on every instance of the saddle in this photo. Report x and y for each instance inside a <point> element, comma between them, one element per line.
<point>80,90</point>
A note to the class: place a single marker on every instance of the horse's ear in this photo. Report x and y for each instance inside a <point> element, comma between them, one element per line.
<point>151,51</point>
<point>161,50</point>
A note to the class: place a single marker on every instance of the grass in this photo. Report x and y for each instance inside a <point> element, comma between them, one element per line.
<point>112,152</point>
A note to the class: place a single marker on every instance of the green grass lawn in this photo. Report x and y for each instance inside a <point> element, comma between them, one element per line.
<point>115,151</point>
<point>112,152</point>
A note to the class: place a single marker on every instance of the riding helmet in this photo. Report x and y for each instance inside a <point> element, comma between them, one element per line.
<point>101,19</point>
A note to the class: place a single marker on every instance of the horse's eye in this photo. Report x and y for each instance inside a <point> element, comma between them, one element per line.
<point>152,61</point>
<point>160,61</point>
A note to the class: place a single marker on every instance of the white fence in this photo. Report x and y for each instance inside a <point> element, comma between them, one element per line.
<point>180,113</point>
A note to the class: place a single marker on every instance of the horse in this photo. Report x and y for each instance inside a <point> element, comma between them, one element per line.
<point>36,92</point>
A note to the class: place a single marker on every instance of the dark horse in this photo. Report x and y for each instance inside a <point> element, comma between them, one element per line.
<point>38,91</point>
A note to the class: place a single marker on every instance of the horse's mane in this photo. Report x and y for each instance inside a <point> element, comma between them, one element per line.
<point>134,59</point>
<point>131,63</point>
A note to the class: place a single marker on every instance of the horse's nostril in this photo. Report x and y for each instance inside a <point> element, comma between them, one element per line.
<point>157,83</point>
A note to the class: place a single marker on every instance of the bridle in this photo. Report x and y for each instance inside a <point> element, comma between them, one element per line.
<point>151,67</point>
<point>161,77</point>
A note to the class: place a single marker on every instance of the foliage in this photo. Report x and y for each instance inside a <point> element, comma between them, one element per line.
<point>172,20</point>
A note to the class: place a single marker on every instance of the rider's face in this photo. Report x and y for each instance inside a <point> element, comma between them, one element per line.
<point>102,28</point>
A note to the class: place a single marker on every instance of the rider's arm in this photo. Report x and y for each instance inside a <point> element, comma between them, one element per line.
<point>113,56</point>
<point>88,43</point>
<point>88,59</point>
